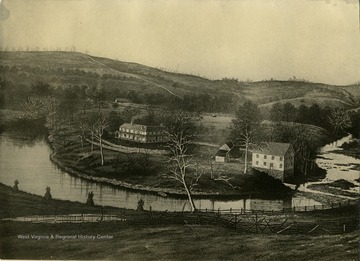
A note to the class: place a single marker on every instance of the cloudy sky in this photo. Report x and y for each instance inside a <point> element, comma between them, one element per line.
<point>246,39</point>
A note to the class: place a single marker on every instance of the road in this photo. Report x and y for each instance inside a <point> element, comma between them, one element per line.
<point>133,75</point>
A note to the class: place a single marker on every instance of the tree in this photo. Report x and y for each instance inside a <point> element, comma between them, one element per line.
<point>288,112</point>
<point>97,94</point>
<point>129,113</point>
<point>98,128</point>
<point>69,102</point>
<point>340,119</point>
<point>115,121</point>
<point>244,126</point>
<point>181,129</point>
<point>181,163</point>
<point>276,112</point>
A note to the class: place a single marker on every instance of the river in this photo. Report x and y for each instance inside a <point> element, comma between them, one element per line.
<point>338,166</point>
<point>29,163</point>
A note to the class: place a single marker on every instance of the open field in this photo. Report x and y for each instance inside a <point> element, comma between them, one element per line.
<point>161,242</point>
<point>170,243</point>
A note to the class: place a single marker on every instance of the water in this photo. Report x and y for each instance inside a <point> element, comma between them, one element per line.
<point>29,163</point>
<point>338,166</point>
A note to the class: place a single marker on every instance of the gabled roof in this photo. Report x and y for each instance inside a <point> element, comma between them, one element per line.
<point>227,146</point>
<point>141,127</point>
<point>234,152</point>
<point>274,148</point>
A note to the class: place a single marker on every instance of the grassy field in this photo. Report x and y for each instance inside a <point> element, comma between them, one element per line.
<point>123,241</point>
<point>170,243</point>
<point>154,176</point>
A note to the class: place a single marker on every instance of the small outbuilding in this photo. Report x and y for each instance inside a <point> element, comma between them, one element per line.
<point>228,152</point>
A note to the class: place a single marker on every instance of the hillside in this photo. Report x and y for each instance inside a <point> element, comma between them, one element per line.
<point>71,68</point>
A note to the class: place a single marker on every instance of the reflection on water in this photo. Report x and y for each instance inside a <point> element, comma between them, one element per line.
<point>29,162</point>
<point>338,166</point>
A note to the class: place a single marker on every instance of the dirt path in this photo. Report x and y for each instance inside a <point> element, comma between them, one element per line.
<point>134,76</point>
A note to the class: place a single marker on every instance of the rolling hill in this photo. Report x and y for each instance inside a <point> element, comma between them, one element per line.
<point>72,68</point>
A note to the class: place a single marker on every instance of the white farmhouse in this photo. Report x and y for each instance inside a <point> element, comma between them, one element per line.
<point>276,159</point>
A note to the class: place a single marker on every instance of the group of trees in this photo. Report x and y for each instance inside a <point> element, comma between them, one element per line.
<point>335,120</point>
<point>290,125</point>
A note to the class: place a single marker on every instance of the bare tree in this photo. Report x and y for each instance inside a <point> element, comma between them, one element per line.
<point>181,164</point>
<point>98,130</point>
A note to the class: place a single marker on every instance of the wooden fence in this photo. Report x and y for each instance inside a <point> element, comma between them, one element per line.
<point>120,148</point>
<point>250,223</point>
<point>240,222</point>
<point>284,210</point>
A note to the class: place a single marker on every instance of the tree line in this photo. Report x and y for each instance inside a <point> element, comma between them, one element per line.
<point>292,125</point>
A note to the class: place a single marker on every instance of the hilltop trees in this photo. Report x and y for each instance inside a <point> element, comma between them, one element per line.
<point>244,126</point>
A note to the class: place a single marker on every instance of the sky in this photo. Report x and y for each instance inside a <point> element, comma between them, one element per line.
<point>316,40</point>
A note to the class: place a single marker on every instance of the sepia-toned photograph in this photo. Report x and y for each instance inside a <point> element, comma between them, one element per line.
<point>179,130</point>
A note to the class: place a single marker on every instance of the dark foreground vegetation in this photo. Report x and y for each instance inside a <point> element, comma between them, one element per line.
<point>122,240</point>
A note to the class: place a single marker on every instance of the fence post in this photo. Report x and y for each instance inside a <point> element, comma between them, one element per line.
<point>230,210</point>
<point>314,207</point>
<point>205,209</point>
<point>235,220</point>
<point>219,212</point>
<point>305,208</point>
<point>256,222</point>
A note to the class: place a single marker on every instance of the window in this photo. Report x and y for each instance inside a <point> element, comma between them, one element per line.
<point>257,155</point>
<point>281,158</point>
<point>271,165</point>
<point>272,157</point>
<point>280,166</point>
<point>257,163</point>
<point>264,156</point>
<point>264,163</point>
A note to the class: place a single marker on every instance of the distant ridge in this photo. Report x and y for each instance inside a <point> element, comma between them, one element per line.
<point>45,66</point>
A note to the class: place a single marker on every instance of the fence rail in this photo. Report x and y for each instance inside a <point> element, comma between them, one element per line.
<point>284,209</point>
<point>239,220</point>
<point>242,223</point>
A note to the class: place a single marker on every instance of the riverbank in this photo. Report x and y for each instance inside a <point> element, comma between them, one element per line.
<point>351,149</point>
<point>125,171</point>
<point>114,240</point>
<point>26,204</point>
